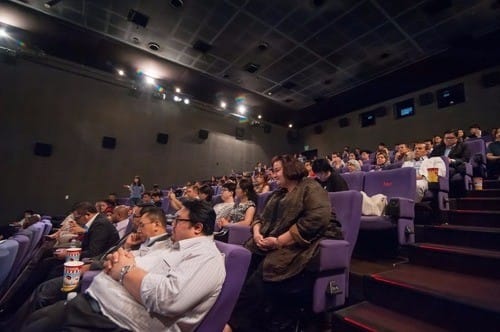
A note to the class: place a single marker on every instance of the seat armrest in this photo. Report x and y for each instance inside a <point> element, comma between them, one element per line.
<point>238,234</point>
<point>333,254</point>
<point>406,208</point>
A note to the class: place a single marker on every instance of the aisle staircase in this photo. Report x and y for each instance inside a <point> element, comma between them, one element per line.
<point>452,279</point>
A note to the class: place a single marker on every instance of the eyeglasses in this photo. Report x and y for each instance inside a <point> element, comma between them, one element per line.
<point>145,223</point>
<point>450,138</point>
<point>177,220</point>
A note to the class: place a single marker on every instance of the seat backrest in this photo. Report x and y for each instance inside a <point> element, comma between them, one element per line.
<point>9,250</point>
<point>24,245</point>
<point>48,226</point>
<point>477,149</point>
<point>237,260</point>
<point>354,180</point>
<point>400,182</point>
<point>37,234</point>
<point>395,165</point>
<point>347,207</point>
<point>216,199</point>
<point>261,202</point>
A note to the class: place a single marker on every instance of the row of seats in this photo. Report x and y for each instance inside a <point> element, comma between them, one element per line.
<point>17,251</point>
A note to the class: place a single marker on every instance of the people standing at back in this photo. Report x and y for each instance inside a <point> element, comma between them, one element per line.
<point>136,189</point>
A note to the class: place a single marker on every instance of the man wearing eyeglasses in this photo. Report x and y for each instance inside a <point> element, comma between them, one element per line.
<point>458,154</point>
<point>165,290</point>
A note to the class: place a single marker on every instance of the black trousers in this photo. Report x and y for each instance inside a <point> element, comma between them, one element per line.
<point>263,303</point>
<point>79,314</point>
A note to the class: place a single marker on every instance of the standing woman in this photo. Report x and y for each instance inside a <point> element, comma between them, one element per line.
<point>136,189</point>
<point>285,241</point>
<point>244,210</point>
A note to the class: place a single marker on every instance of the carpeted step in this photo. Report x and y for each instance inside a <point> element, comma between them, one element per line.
<point>366,316</point>
<point>484,193</point>
<point>466,236</point>
<point>474,218</point>
<point>491,184</point>
<point>480,262</point>
<point>476,203</point>
<point>454,301</point>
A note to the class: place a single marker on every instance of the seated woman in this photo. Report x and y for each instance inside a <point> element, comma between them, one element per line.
<point>353,166</point>
<point>381,160</point>
<point>243,211</point>
<point>284,243</point>
<point>261,185</point>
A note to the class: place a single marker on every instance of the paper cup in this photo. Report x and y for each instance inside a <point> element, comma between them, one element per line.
<point>432,174</point>
<point>73,254</point>
<point>71,277</point>
<point>478,183</point>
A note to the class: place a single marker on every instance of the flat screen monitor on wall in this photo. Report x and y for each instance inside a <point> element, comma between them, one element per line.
<point>367,119</point>
<point>450,96</point>
<point>404,108</point>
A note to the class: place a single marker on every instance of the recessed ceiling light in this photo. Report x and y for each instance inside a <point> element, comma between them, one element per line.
<point>186,101</point>
<point>242,109</point>
<point>153,46</point>
<point>263,46</point>
<point>149,80</point>
<point>178,90</point>
<point>223,105</point>
<point>121,72</point>
<point>290,125</point>
<point>269,93</point>
<point>259,117</point>
<point>136,40</point>
<point>3,33</point>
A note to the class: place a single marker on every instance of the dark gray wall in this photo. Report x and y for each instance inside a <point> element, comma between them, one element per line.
<point>482,106</point>
<point>72,112</point>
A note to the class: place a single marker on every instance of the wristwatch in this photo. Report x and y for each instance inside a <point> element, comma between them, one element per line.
<point>123,271</point>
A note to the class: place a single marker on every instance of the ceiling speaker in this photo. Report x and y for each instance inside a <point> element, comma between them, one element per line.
<point>491,79</point>
<point>344,122</point>
<point>42,149</point>
<point>240,133</point>
<point>138,18</point>
<point>162,138</point>
<point>318,129</point>
<point>203,134</point>
<point>108,142</point>
<point>426,98</point>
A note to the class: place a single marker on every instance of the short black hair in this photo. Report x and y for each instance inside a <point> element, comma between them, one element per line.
<point>84,207</point>
<point>321,165</point>
<point>155,214</point>
<point>201,212</point>
<point>207,190</point>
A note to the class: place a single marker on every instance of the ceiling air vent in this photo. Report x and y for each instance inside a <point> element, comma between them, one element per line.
<point>202,46</point>
<point>137,18</point>
<point>252,67</point>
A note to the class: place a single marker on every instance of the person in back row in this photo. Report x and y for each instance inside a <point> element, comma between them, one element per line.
<point>420,154</point>
<point>168,289</point>
<point>327,177</point>
<point>244,211</point>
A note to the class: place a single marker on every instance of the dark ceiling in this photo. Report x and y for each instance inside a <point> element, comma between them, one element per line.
<point>293,61</point>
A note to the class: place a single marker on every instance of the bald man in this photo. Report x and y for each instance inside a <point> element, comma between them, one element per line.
<point>120,218</point>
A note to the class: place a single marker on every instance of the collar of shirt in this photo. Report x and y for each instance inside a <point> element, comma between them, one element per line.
<point>150,241</point>
<point>121,224</point>
<point>90,222</point>
<point>188,243</point>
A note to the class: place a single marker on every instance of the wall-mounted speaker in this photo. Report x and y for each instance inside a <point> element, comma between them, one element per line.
<point>240,133</point>
<point>42,149</point>
<point>108,142</point>
<point>380,111</point>
<point>426,98</point>
<point>203,134</point>
<point>318,129</point>
<point>344,122</point>
<point>267,129</point>
<point>491,79</point>
<point>162,138</point>
<point>138,18</point>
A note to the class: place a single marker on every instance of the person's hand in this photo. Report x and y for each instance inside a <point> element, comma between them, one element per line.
<point>118,259</point>
<point>222,222</point>
<point>85,268</point>
<point>75,228</point>
<point>257,238</point>
<point>60,254</point>
<point>171,195</point>
<point>132,240</point>
<point>267,243</point>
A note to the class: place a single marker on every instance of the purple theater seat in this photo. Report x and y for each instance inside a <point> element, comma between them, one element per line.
<point>48,226</point>
<point>237,260</point>
<point>441,190</point>
<point>261,202</point>
<point>393,166</point>
<point>37,229</point>
<point>354,180</point>
<point>238,234</point>
<point>22,252</point>
<point>397,184</point>
<point>367,167</point>
<point>335,255</point>
<point>8,250</point>
<point>477,149</point>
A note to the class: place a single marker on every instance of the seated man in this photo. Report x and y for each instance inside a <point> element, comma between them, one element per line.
<point>458,154</point>
<point>493,157</point>
<point>191,192</point>
<point>169,289</point>
<point>420,154</point>
<point>327,177</point>
<point>120,219</point>
<point>403,153</point>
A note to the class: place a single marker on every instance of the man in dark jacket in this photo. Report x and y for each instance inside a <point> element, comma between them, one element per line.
<point>329,179</point>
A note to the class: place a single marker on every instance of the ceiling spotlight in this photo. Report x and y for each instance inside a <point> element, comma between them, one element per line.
<point>3,33</point>
<point>150,80</point>
<point>269,93</point>
<point>241,109</point>
<point>290,125</point>
<point>51,3</point>
<point>177,90</point>
<point>186,101</point>
<point>177,98</point>
<point>121,72</point>
<point>223,105</point>
<point>259,117</point>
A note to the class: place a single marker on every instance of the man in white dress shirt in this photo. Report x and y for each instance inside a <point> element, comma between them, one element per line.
<point>163,290</point>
